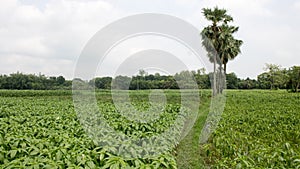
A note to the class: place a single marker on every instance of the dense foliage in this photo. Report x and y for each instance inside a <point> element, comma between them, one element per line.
<point>42,130</point>
<point>259,129</point>
<point>274,78</point>
<point>22,81</point>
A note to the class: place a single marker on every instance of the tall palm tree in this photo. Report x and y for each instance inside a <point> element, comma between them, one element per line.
<point>219,42</point>
<point>211,34</point>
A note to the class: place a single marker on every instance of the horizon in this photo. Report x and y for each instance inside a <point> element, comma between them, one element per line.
<point>146,74</point>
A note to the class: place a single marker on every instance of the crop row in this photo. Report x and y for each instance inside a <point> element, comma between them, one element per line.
<point>259,129</point>
<point>45,132</point>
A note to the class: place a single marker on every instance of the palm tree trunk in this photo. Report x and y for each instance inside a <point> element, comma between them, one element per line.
<point>220,84</point>
<point>225,67</point>
<point>215,80</point>
<point>298,83</point>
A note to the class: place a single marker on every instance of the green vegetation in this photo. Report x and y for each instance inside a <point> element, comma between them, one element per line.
<point>259,129</point>
<point>293,78</point>
<point>22,81</point>
<point>187,152</point>
<point>275,77</point>
<point>219,42</point>
<point>40,129</point>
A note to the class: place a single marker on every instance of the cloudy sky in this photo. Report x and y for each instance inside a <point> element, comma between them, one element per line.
<point>48,36</point>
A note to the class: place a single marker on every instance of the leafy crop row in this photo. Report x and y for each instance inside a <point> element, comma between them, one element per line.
<point>259,129</point>
<point>44,132</point>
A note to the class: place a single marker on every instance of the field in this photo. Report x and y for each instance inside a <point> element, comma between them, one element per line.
<point>258,129</point>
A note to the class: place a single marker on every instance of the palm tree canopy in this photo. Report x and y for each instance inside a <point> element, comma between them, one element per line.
<point>217,15</point>
<point>218,38</point>
<point>230,47</point>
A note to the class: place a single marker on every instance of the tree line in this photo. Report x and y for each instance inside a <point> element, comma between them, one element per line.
<point>22,81</point>
<point>274,77</point>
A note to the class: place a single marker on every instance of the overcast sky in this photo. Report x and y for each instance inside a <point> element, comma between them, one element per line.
<point>48,36</point>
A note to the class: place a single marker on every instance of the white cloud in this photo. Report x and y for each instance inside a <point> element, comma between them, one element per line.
<point>48,38</point>
<point>58,33</point>
<point>297,5</point>
<point>34,65</point>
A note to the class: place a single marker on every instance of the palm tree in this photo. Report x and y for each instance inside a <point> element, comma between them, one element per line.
<point>210,36</point>
<point>217,39</point>
<point>230,47</point>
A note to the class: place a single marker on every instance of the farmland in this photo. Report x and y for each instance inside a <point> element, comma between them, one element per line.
<point>259,129</point>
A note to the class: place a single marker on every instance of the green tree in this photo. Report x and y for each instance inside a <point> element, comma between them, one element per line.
<point>247,83</point>
<point>294,78</point>
<point>264,81</point>
<point>231,81</point>
<point>185,79</point>
<point>101,82</point>
<point>276,75</point>
<point>60,80</point>
<point>219,42</point>
<point>202,79</point>
<point>121,82</point>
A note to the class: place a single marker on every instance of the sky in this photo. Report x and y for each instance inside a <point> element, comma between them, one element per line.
<point>48,36</point>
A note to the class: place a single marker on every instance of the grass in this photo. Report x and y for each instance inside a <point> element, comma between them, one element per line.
<point>188,151</point>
